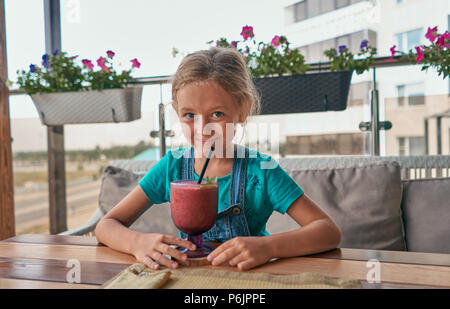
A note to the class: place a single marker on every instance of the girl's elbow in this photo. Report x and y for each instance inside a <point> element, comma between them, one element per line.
<point>334,234</point>
<point>337,235</point>
<point>98,231</point>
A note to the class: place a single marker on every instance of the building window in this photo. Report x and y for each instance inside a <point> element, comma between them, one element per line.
<point>409,39</point>
<point>416,146</point>
<point>411,95</point>
<point>342,3</point>
<point>300,11</point>
<point>401,95</point>
<point>401,146</point>
<point>411,146</point>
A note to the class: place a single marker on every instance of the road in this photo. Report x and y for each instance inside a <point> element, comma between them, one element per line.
<point>31,209</point>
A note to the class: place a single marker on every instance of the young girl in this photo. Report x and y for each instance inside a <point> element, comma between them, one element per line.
<point>214,86</point>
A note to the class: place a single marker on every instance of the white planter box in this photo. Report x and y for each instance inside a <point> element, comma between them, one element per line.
<point>109,105</point>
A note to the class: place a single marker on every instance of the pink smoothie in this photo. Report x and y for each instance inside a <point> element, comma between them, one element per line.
<point>193,206</point>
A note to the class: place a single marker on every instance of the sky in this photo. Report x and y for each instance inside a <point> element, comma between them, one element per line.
<point>142,29</point>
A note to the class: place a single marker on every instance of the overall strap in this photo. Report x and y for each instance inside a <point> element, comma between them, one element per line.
<point>239,176</point>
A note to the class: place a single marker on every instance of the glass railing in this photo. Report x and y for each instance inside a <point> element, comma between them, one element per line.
<point>415,104</point>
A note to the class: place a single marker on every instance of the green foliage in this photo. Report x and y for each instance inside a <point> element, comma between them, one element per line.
<point>268,59</point>
<point>344,60</point>
<point>210,181</point>
<point>61,73</point>
<point>58,73</point>
<point>433,57</point>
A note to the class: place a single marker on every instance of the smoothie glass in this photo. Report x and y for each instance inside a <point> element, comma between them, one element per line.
<point>194,211</point>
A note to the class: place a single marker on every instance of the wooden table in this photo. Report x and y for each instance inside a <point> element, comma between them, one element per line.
<point>41,261</point>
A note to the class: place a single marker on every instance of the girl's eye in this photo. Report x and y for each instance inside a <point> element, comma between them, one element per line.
<point>189,116</point>
<point>217,114</point>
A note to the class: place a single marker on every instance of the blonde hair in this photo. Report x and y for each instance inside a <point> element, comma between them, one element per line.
<point>227,67</point>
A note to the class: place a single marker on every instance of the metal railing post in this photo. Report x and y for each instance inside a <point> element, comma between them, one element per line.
<point>375,150</point>
<point>161,133</point>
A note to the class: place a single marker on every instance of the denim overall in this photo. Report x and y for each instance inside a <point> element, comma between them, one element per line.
<point>230,222</point>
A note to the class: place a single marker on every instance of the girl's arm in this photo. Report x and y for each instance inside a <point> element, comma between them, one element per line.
<point>147,248</point>
<point>318,233</point>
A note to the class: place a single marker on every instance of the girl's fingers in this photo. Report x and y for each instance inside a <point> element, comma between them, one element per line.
<point>237,259</point>
<point>177,254</point>
<point>224,256</point>
<point>216,252</point>
<point>161,259</point>
<point>148,261</point>
<point>246,264</point>
<point>179,242</point>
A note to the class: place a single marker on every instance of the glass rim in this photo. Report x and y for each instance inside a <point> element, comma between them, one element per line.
<point>191,182</point>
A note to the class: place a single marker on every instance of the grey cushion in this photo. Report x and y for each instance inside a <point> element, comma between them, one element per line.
<point>426,213</point>
<point>364,201</point>
<point>116,184</point>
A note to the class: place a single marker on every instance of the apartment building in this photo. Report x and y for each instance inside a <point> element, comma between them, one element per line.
<point>417,103</point>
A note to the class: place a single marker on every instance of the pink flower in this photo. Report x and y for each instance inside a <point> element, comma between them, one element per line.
<point>234,44</point>
<point>393,52</point>
<point>276,41</point>
<point>419,54</point>
<point>136,63</point>
<point>101,63</point>
<point>247,32</point>
<point>432,34</point>
<point>110,53</point>
<point>443,40</point>
<point>87,64</point>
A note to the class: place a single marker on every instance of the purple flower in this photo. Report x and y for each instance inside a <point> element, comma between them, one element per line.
<point>341,48</point>
<point>55,52</point>
<point>32,68</point>
<point>234,44</point>
<point>45,58</point>
<point>364,44</point>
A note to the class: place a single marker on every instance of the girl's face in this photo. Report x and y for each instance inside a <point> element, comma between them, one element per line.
<point>204,109</point>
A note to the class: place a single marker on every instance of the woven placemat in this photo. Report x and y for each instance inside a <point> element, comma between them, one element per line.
<point>198,278</point>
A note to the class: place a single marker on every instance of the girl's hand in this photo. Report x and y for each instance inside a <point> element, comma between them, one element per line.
<point>150,249</point>
<point>243,252</point>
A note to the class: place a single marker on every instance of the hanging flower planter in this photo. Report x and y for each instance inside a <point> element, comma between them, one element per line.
<point>108,105</point>
<point>304,93</point>
<point>281,75</point>
<point>65,92</point>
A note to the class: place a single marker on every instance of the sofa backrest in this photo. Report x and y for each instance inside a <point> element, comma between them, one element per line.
<point>376,227</point>
<point>363,199</point>
<point>116,184</point>
<point>426,214</point>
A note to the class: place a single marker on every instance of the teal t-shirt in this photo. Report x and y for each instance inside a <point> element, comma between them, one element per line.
<point>268,187</point>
